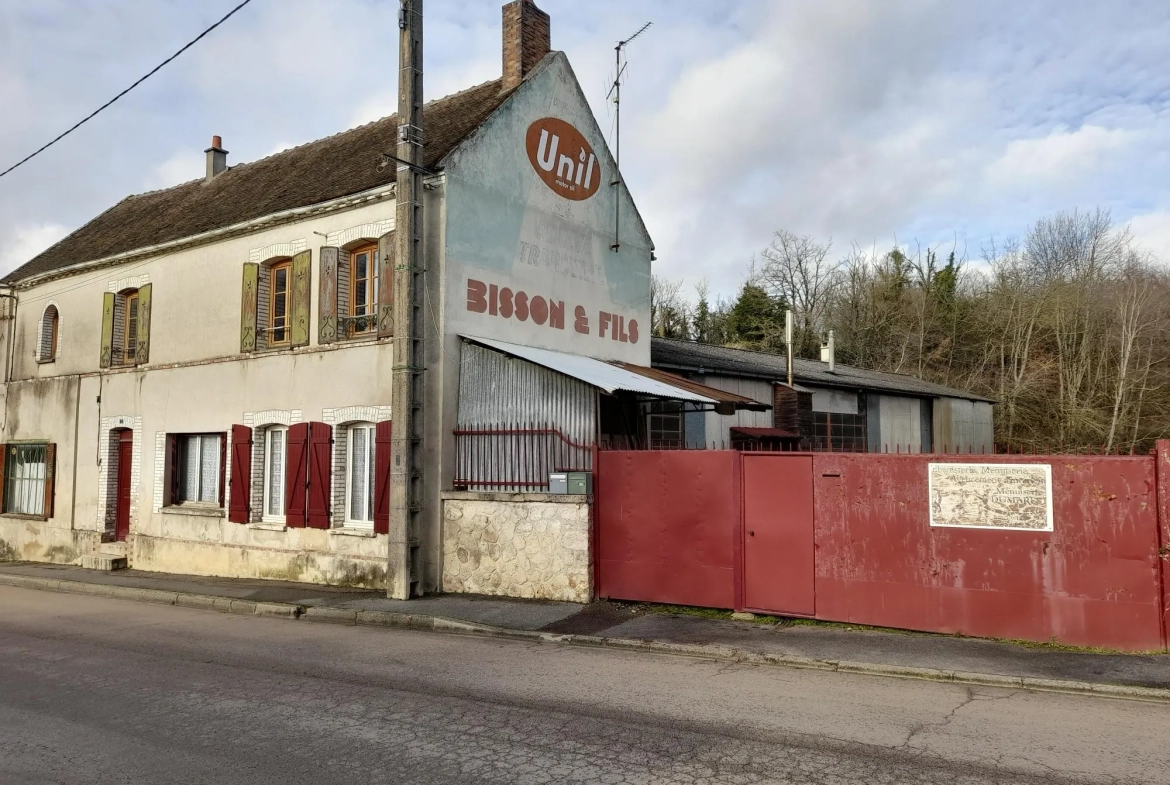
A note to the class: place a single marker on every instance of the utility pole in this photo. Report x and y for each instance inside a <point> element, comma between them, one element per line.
<point>788,341</point>
<point>403,573</point>
<point>616,91</point>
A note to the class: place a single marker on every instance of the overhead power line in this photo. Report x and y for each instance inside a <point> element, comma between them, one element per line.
<point>104,106</point>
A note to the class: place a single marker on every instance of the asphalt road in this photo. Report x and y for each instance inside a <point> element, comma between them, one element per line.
<point>97,690</point>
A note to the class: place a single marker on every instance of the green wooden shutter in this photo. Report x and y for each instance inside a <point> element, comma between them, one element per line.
<point>248,300</point>
<point>386,285</point>
<point>327,295</point>
<point>301,298</point>
<point>107,329</point>
<point>142,352</point>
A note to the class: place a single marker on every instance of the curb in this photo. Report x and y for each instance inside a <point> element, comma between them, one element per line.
<point>455,626</point>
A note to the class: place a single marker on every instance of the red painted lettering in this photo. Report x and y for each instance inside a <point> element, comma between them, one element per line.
<point>522,306</point>
<point>493,298</point>
<point>476,296</point>
<point>623,336</point>
<point>506,302</point>
<point>633,330</point>
<point>539,309</point>
<point>581,322</point>
<point>556,315</point>
<point>603,318</point>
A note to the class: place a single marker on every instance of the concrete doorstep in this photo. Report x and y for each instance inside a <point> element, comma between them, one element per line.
<point>423,621</point>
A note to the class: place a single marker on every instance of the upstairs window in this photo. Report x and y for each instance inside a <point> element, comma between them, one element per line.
<point>47,343</point>
<point>363,289</point>
<point>126,327</point>
<point>278,332</point>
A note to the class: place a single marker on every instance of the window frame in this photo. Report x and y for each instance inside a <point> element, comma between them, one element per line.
<point>181,454</point>
<point>266,485</point>
<point>50,322</point>
<point>371,429</point>
<point>659,414</point>
<point>274,270</point>
<point>38,484</point>
<point>130,333</point>
<point>371,281</point>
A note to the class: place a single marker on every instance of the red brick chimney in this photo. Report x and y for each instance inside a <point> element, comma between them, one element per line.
<point>526,40</point>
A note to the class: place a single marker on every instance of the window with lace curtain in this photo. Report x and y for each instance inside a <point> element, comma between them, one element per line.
<point>359,476</point>
<point>197,467</point>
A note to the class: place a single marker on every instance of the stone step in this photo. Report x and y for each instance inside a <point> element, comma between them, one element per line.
<point>112,548</point>
<point>103,561</point>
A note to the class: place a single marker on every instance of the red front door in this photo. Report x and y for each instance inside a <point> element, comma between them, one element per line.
<point>778,534</point>
<point>125,463</point>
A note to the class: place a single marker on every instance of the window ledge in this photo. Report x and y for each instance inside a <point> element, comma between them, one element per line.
<point>268,527</point>
<point>183,509</point>
<point>349,531</point>
<point>23,516</point>
<point>46,361</point>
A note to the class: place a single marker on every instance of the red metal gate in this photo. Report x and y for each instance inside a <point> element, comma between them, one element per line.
<point>778,534</point>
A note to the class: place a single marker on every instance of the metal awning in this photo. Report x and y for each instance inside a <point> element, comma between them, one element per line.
<point>598,373</point>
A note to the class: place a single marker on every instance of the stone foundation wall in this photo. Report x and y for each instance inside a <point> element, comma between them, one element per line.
<point>517,545</point>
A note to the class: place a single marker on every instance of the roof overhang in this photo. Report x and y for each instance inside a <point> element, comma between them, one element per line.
<point>620,377</point>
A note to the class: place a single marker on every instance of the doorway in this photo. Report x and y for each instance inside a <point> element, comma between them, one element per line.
<point>778,534</point>
<point>122,497</point>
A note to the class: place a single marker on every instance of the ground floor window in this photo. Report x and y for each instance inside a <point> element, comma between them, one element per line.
<point>275,458</point>
<point>359,476</point>
<point>25,478</point>
<point>839,432</point>
<point>665,425</point>
<point>198,466</point>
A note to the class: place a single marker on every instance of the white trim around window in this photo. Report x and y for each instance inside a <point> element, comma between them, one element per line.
<point>275,471</point>
<point>359,476</point>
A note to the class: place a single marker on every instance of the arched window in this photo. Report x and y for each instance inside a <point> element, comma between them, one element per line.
<point>359,476</point>
<point>47,343</point>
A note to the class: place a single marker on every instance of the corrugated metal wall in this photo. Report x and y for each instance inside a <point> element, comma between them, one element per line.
<point>718,426</point>
<point>498,392</point>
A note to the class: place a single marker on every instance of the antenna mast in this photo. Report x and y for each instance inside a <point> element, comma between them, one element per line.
<point>616,91</point>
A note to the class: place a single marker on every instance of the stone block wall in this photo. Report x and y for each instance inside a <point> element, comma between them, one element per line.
<point>533,545</point>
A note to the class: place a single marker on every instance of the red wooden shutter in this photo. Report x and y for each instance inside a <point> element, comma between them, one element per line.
<point>296,462</point>
<point>382,450</point>
<point>50,474</point>
<point>320,474</point>
<point>240,496</point>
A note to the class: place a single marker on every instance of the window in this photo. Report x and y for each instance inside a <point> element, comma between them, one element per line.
<point>27,486</point>
<point>665,425</point>
<point>275,457</point>
<point>130,335</point>
<point>278,307</point>
<point>47,345</point>
<point>839,432</point>
<point>198,464</point>
<point>359,477</point>
<point>364,289</point>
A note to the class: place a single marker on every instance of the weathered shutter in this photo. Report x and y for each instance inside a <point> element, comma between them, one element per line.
<point>382,451</point>
<point>107,329</point>
<point>142,351</point>
<point>50,474</point>
<point>240,495</point>
<point>327,306</point>
<point>320,474</point>
<point>3,474</point>
<point>176,464</point>
<point>297,474</point>
<point>248,300</point>
<point>300,298</point>
<point>386,285</point>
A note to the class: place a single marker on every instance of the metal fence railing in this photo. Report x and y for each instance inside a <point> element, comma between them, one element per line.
<point>514,457</point>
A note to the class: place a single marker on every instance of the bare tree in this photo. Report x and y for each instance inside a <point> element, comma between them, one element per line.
<point>797,270</point>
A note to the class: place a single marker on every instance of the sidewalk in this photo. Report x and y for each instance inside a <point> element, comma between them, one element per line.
<point>824,646</point>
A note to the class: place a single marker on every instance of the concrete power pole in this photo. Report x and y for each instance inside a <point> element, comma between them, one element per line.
<point>407,394</point>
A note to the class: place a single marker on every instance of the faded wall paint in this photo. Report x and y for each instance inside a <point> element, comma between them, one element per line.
<point>507,228</point>
<point>517,545</point>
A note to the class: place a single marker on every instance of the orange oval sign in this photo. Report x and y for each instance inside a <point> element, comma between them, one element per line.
<point>563,159</point>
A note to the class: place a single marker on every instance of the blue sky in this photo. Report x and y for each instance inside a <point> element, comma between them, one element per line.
<point>941,123</point>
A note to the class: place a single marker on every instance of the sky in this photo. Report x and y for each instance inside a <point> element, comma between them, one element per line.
<point>946,124</point>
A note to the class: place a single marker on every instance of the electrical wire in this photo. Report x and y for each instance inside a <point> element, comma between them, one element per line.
<point>104,106</point>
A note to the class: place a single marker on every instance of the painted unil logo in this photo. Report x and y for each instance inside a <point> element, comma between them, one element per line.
<point>563,158</point>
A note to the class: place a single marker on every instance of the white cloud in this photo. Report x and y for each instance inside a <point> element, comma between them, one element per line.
<point>26,242</point>
<point>1152,231</point>
<point>1061,155</point>
<point>179,168</point>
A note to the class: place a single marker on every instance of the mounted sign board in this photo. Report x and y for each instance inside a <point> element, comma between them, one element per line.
<point>1012,496</point>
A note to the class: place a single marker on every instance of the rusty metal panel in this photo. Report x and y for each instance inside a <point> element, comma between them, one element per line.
<point>502,393</point>
<point>1092,581</point>
<point>1162,458</point>
<point>667,525</point>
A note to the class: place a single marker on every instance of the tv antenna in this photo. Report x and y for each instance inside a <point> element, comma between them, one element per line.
<point>615,90</point>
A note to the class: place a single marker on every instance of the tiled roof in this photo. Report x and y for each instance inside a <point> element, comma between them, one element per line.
<point>694,357</point>
<point>329,168</point>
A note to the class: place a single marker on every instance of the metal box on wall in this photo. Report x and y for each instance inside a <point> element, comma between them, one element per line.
<point>558,482</point>
<point>580,482</point>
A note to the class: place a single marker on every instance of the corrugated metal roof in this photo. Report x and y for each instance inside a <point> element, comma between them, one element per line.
<point>674,380</point>
<point>602,375</point>
<point>705,358</point>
